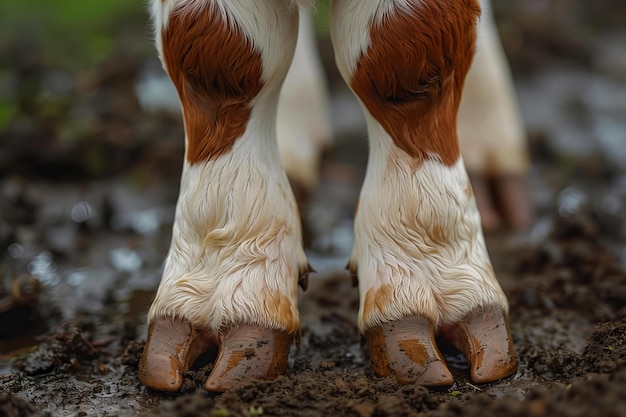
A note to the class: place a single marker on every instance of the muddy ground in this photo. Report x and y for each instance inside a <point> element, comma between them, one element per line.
<point>88,180</point>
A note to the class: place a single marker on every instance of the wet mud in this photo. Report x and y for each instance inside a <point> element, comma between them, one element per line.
<point>567,318</point>
<point>87,194</point>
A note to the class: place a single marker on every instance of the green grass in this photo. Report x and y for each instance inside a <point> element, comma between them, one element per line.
<point>79,33</point>
<point>68,30</point>
<point>67,12</point>
<point>322,16</point>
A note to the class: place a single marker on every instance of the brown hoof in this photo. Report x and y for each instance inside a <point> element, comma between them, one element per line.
<point>503,198</point>
<point>249,353</point>
<point>406,350</point>
<point>515,201</point>
<point>485,339</point>
<point>171,348</point>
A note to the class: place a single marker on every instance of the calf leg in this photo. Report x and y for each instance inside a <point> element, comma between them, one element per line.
<point>491,133</point>
<point>419,252</point>
<point>304,114</point>
<point>230,278</point>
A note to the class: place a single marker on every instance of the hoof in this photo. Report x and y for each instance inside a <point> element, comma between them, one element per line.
<point>503,198</point>
<point>406,350</point>
<point>246,353</point>
<point>249,353</point>
<point>171,348</point>
<point>485,340</point>
<point>515,201</point>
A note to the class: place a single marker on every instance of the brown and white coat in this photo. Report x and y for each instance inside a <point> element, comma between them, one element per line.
<point>231,276</point>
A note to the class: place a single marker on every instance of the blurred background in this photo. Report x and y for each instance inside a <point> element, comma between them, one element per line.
<point>91,146</point>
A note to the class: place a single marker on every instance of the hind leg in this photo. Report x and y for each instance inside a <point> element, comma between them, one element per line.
<point>303,128</point>
<point>492,136</point>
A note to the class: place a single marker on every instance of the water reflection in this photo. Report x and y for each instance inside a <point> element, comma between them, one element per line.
<point>15,251</point>
<point>44,269</point>
<point>570,201</point>
<point>81,212</point>
<point>125,260</point>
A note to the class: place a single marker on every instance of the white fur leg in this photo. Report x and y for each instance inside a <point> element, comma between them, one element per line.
<point>419,248</point>
<point>491,132</point>
<point>304,111</point>
<point>236,250</point>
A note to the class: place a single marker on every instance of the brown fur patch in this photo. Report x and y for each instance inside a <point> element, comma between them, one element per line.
<point>377,299</point>
<point>411,77</point>
<point>279,308</point>
<point>217,74</point>
<point>436,234</point>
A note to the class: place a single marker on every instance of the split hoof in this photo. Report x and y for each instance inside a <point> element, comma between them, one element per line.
<point>249,353</point>
<point>171,348</point>
<point>485,340</point>
<point>245,353</point>
<point>406,350</point>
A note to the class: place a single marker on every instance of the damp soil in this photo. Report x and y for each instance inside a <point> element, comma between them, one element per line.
<point>88,183</point>
<point>568,300</point>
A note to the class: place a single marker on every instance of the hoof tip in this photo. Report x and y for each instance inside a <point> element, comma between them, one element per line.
<point>406,350</point>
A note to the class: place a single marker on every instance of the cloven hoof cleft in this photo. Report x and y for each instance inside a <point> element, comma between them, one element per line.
<point>246,353</point>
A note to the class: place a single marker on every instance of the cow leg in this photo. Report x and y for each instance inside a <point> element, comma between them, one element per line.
<point>492,136</point>
<point>231,275</point>
<point>303,129</point>
<point>419,252</point>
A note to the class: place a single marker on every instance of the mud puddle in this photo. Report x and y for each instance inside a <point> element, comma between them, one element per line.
<point>568,298</point>
<point>87,191</point>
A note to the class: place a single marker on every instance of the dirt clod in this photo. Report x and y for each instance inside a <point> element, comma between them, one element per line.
<point>12,406</point>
